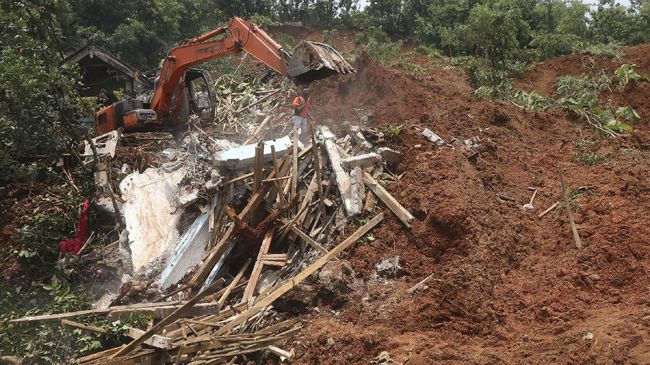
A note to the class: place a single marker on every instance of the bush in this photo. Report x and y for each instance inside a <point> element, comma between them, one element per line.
<point>580,96</point>
<point>379,45</point>
<point>548,45</point>
<point>611,50</point>
<point>428,51</point>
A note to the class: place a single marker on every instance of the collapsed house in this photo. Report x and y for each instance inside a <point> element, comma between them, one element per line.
<point>218,231</point>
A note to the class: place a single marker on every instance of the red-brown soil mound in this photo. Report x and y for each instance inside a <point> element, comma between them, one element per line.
<point>508,288</point>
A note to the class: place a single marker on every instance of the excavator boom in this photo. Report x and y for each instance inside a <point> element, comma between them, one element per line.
<point>310,61</point>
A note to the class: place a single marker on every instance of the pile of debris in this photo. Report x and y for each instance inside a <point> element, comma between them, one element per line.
<point>233,228</point>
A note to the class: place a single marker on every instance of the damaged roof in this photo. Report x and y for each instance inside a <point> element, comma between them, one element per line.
<point>92,51</point>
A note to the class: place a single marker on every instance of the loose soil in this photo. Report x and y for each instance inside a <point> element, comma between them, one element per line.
<point>508,288</point>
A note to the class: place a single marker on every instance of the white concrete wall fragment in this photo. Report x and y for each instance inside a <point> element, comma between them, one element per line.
<point>244,156</point>
<point>149,213</point>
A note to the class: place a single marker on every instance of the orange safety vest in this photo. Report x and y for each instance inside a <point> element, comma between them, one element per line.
<point>298,101</point>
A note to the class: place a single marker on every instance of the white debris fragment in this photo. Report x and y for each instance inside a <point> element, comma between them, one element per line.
<point>149,213</point>
<point>188,252</point>
<point>244,156</point>
<point>433,137</point>
<point>365,160</point>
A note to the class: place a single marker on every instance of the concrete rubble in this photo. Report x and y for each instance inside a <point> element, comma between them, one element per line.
<point>234,227</point>
<point>428,134</point>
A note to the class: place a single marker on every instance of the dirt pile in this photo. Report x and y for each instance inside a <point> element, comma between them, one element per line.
<point>508,287</point>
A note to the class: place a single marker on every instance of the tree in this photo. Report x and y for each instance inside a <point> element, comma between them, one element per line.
<point>38,100</point>
<point>498,32</point>
<point>612,22</point>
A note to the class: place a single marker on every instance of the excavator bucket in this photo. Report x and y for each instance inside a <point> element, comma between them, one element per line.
<point>313,61</point>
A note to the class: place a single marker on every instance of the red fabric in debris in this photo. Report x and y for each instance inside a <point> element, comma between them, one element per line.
<point>73,245</point>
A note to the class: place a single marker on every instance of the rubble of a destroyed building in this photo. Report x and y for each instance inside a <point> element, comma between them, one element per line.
<point>218,227</point>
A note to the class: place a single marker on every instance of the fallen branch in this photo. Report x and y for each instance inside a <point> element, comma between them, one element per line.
<point>567,205</point>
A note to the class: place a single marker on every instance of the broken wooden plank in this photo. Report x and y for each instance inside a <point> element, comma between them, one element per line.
<point>421,284</point>
<point>342,178</point>
<point>259,163</point>
<point>167,320</point>
<point>548,210</point>
<point>239,178</point>
<point>282,354</point>
<point>159,342</point>
<point>567,207</point>
<point>264,301</point>
<point>57,316</point>
<point>304,236</point>
<point>294,165</point>
<point>85,327</point>
<point>257,132</point>
<point>257,269</point>
<point>388,199</point>
<point>233,283</point>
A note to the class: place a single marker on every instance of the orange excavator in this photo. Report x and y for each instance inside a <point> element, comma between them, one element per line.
<point>174,96</point>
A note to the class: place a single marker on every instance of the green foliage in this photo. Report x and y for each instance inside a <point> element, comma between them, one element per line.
<point>38,101</point>
<point>428,51</point>
<point>330,35</point>
<point>588,156</point>
<point>612,22</point>
<point>625,73</point>
<point>611,50</point>
<point>285,40</point>
<point>263,21</point>
<point>50,342</point>
<point>580,96</point>
<point>497,32</point>
<point>549,45</point>
<point>379,45</point>
<point>531,100</point>
<point>391,132</point>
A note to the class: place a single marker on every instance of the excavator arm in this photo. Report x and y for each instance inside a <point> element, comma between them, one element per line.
<point>238,36</point>
<point>311,61</point>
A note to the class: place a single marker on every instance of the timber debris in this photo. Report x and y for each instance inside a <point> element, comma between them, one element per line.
<point>256,219</point>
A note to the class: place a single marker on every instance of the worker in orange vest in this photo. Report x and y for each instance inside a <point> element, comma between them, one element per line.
<point>301,116</point>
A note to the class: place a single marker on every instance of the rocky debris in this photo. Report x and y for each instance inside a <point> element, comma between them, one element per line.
<point>365,160</point>
<point>390,156</point>
<point>428,134</point>
<point>389,268</point>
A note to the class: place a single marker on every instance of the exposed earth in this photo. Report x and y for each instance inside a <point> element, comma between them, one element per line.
<point>508,286</point>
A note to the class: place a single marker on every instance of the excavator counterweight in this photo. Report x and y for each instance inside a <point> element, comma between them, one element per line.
<point>172,99</point>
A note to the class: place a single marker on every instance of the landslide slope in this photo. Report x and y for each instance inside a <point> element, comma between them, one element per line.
<point>508,288</point>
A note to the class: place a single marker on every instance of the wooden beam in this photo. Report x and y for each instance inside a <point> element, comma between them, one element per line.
<point>304,236</point>
<point>259,163</point>
<point>257,269</point>
<point>232,284</point>
<point>239,178</point>
<point>402,214</point>
<point>294,166</point>
<point>57,316</point>
<point>167,320</point>
<point>265,301</point>
<point>567,207</point>
<point>388,199</point>
<point>73,324</point>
